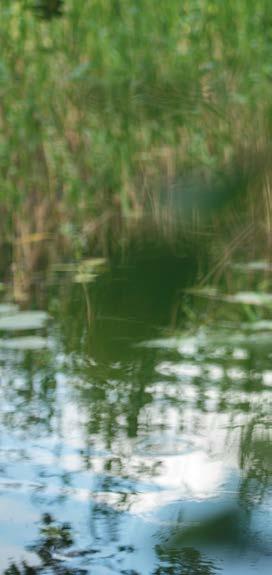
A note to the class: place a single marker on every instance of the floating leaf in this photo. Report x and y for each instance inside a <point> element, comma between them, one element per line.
<point>84,271</point>
<point>8,308</point>
<point>77,267</point>
<point>33,343</point>
<point>85,277</point>
<point>253,266</point>
<point>261,325</point>
<point>207,291</point>
<point>23,320</point>
<point>250,298</point>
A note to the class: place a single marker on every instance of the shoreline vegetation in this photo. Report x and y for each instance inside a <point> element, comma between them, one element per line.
<point>115,113</point>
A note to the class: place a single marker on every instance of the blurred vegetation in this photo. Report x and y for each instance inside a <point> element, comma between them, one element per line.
<point>104,104</point>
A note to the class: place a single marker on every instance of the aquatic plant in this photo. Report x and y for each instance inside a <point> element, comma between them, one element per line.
<point>110,105</point>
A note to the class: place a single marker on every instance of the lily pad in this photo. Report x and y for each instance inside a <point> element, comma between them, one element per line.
<point>85,277</point>
<point>261,325</point>
<point>23,320</point>
<point>250,298</point>
<point>33,343</point>
<point>207,291</point>
<point>77,267</point>
<point>8,308</point>
<point>84,271</point>
<point>254,266</point>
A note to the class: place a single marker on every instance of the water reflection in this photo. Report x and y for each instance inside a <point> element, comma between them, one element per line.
<point>188,561</point>
<point>128,447</point>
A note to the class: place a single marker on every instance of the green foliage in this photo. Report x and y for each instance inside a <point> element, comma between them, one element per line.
<point>100,104</point>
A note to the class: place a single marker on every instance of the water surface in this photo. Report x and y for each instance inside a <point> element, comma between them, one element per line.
<point>136,423</point>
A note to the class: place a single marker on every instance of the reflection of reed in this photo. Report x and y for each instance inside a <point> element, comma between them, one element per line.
<point>31,253</point>
<point>255,459</point>
<point>55,539</point>
<point>186,561</point>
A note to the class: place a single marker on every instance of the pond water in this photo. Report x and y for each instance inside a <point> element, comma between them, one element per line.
<point>135,422</point>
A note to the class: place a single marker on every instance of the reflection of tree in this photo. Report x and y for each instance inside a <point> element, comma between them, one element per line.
<point>113,376</point>
<point>255,460</point>
<point>54,539</point>
<point>57,553</point>
<point>187,561</point>
<point>30,387</point>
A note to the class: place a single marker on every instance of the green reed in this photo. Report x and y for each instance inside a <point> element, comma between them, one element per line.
<point>104,106</point>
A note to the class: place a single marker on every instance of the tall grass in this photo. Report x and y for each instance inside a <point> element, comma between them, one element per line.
<point>98,107</point>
